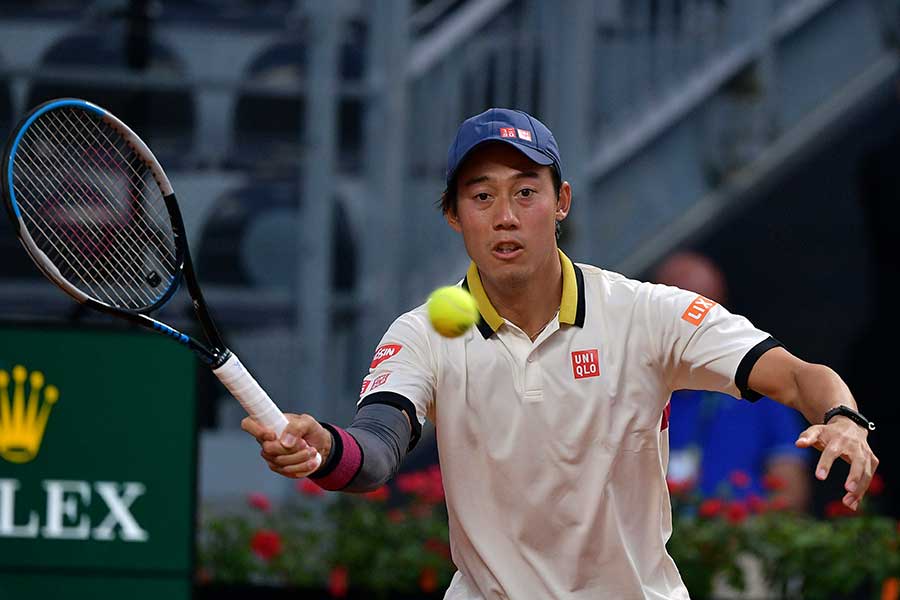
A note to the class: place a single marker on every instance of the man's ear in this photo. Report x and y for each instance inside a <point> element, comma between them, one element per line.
<point>453,220</point>
<point>564,201</point>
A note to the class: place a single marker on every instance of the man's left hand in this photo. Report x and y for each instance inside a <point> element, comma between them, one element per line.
<point>843,438</point>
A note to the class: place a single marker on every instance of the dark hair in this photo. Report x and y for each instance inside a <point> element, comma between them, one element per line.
<point>448,198</point>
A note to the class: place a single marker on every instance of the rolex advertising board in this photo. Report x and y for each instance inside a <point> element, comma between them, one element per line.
<point>97,464</point>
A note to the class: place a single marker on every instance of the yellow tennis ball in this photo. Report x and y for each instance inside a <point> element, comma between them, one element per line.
<point>452,310</point>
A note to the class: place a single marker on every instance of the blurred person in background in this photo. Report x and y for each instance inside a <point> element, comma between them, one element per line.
<point>717,441</point>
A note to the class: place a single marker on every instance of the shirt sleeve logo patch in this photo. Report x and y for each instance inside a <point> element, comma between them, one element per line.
<point>698,310</point>
<point>365,387</point>
<point>383,353</point>
<point>380,380</point>
<point>586,363</point>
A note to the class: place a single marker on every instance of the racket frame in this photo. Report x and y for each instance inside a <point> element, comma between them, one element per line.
<point>214,353</point>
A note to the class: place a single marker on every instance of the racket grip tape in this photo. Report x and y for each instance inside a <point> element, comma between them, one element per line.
<point>235,377</point>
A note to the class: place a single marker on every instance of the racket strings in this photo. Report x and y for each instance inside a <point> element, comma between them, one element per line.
<point>105,145</point>
<point>94,208</point>
<point>86,243</point>
<point>159,221</point>
<point>169,261</point>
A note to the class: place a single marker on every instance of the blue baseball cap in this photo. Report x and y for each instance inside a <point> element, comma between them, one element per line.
<point>515,127</point>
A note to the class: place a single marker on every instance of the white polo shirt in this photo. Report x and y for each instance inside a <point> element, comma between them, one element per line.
<point>554,452</point>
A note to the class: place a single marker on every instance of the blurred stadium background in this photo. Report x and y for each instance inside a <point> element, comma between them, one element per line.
<point>307,143</point>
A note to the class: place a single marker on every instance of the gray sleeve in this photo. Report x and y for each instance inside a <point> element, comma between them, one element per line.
<point>383,433</point>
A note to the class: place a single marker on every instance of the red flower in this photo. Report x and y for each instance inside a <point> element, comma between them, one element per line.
<point>739,479</point>
<point>736,512</point>
<point>876,486</point>
<point>777,504</point>
<point>203,575</point>
<point>337,581</point>
<point>259,501</point>
<point>396,515</point>
<point>308,487</point>
<point>773,483</point>
<point>710,507</point>
<point>756,504</point>
<point>428,580</point>
<point>266,544</point>
<point>410,483</point>
<point>679,488</point>
<point>426,485</point>
<point>438,547</point>
<point>836,508</point>
<point>379,495</point>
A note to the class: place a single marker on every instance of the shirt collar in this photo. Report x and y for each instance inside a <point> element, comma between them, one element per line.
<point>571,308</point>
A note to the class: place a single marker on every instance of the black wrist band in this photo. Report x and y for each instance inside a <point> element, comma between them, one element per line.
<point>846,411</point>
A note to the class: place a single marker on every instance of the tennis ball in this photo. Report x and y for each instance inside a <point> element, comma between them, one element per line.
<point>452,310</point>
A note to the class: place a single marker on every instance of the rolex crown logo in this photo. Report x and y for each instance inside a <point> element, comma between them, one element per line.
<point>23,417</point>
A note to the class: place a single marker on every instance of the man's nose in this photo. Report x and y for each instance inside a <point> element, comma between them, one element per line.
<point>505,214</point>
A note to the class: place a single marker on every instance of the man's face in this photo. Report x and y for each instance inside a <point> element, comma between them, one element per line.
<point>506,212</point>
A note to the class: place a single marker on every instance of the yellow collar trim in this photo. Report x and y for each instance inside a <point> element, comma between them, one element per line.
<point>568,308</point>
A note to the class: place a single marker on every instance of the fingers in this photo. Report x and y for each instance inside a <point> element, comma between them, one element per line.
<point>850,444</point>
<point>298,426</point>
<point>256,430</point>
<point>298,464</point>
<point>831,452</point>
<point>811,438</point>
<point>295,458</point>
<point>292,455</point>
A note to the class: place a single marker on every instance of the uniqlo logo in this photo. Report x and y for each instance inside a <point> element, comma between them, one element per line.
<point>379,381</point>
<point>383,353</point>
<point>524,134</point>
<point>698,310</point>
<point>507,132</point>
<point>586,363</point>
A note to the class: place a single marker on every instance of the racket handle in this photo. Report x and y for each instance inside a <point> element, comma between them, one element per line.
<point>235,377</point>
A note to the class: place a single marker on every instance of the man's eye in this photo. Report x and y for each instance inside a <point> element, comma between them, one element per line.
<point>526,192</point>
<point>482,196</point>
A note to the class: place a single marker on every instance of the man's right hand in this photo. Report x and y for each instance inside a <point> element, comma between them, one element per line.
<point>294,455</point>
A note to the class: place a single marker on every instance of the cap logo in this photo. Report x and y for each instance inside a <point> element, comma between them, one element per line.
<point>508,132</point>
<point>524,134</point>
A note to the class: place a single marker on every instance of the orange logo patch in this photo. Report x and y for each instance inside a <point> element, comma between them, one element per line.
<point>698,310</point>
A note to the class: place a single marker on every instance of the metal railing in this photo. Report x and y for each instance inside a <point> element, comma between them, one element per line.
<point>355,103</point>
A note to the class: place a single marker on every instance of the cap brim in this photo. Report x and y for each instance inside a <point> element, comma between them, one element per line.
<point>533,154</point>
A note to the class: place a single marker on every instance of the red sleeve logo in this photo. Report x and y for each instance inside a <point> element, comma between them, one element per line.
<point>698,310</point>
<point>383,353</point>
<point>380,380</point>
<point>365,387</point>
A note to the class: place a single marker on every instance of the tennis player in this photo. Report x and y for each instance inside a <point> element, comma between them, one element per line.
<point>551,413</point>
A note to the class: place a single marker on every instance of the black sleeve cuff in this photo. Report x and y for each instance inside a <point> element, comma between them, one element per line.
<point>743,371</point>
<point>334,457</point>
<point>400,403</point>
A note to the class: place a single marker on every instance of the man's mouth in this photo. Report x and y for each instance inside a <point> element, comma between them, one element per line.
<point>506,249</point>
